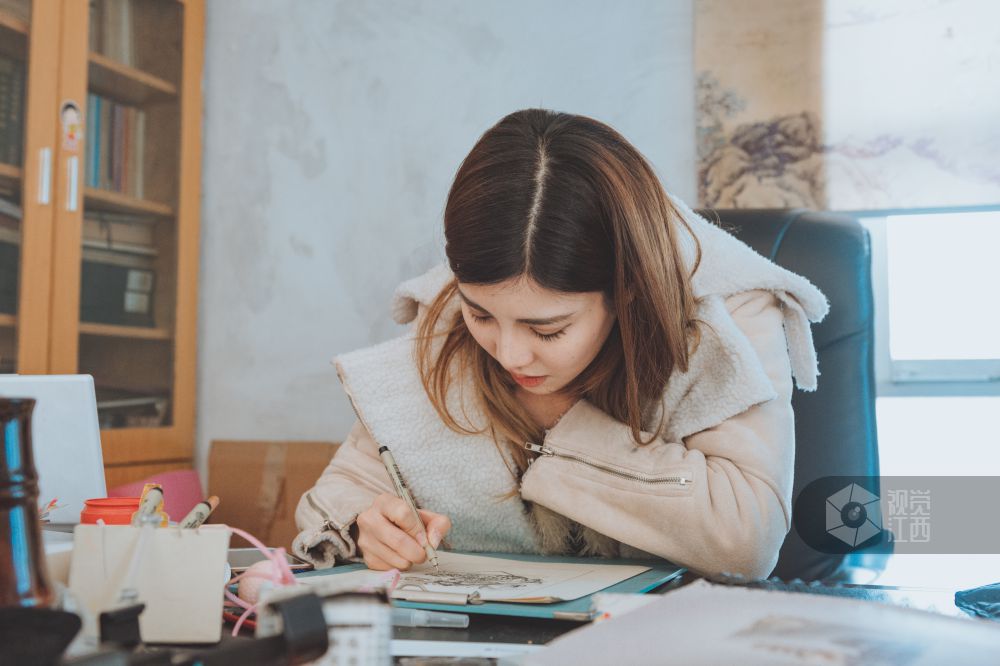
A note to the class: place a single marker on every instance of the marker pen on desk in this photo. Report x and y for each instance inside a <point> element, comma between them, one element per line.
<point>152,498</point>
<point>404,494</point>
<point>412,617</point>
<point>200,513</point>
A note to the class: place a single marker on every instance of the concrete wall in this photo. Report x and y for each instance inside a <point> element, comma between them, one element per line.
<point>332,131</point>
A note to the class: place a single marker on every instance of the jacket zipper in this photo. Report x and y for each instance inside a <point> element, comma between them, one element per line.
<point>615,471</point>
<point>328,525</point>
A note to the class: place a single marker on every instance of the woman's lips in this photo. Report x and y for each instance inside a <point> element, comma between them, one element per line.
<point>528,381</point>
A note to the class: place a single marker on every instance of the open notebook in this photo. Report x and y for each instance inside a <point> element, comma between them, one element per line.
<point>501,584</point>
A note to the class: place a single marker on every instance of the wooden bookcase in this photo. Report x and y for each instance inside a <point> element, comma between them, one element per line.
<point>131,159</point>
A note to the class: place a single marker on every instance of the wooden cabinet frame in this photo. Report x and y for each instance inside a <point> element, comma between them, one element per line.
<point>61,68</point>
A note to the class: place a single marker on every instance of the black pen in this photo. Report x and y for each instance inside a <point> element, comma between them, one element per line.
<point>404,494</point>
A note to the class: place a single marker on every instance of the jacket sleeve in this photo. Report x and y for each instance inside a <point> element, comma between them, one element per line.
<point>327,512</point>
<point>718,502</point>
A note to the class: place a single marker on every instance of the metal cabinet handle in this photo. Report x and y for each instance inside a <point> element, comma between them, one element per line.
<point>44,176</point>
<point>73,173</point>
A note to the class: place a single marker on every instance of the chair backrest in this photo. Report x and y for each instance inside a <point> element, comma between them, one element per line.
<point>835,425</point>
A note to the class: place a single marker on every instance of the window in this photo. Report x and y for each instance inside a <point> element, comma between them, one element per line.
<point>936,281</point>
<point>938,435</point>
<point>943,281</point>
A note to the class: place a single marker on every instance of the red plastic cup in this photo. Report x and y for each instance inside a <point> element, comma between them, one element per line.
<point>112,510</point>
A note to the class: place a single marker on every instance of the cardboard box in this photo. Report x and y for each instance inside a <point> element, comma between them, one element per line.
<point>259,485</point>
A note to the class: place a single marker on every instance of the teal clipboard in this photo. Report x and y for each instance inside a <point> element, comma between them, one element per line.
<point>660,572</point>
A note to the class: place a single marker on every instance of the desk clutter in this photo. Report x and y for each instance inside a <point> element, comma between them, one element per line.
<point>146,587</point>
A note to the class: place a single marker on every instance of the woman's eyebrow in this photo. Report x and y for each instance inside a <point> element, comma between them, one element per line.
<point>531,322</point>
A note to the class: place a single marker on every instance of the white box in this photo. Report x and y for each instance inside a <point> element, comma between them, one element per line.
<point>180,577</point>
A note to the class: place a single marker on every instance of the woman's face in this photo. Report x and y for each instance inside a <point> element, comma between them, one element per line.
<point>543,338</point>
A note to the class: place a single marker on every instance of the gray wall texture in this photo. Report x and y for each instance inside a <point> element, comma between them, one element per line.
<point>331,133</point>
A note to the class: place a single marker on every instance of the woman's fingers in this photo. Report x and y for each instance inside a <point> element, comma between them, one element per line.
<point>437,525</point>
<point>398,512</point>
<point>381,534</point>
<point>380,557</point>
<point>376,563</point>
<point>390,537</point>
<point>378,552</point>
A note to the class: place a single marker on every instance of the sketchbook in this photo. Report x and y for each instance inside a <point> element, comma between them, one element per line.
<point>509,584</point>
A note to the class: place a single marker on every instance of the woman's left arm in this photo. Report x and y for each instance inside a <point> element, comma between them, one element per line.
<point>719,502</point>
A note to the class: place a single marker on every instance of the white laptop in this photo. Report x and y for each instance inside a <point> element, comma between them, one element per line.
<point>66,439</point>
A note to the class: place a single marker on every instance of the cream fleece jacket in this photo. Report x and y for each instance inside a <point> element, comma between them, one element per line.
<point>712,494</point>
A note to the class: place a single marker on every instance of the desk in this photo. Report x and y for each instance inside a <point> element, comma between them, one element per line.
<point>937,597</point>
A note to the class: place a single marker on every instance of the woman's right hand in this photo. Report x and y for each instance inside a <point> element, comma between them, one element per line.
<point>389,536</point>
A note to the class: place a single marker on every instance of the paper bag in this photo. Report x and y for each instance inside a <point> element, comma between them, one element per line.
<point>180,577</point>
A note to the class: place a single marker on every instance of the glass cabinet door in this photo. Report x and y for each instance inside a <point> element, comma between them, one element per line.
<point>28,32</point>
<point>100,169</point>
<point>124,258</point>
<point>128,267</point>
<point>15,19</point>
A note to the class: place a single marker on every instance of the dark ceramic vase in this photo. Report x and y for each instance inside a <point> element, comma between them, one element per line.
<point>23,576</point>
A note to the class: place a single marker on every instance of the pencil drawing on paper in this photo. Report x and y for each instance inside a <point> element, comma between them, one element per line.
<point>484,580</point>
<point>499,579</point>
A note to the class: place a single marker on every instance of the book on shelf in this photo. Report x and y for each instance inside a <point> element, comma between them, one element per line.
<point>116,146</point>
<point>10,255</point>
<point>111,30</point>
<point>94,26</point>
<point>116,288</point>
<point>10,228</point>
<point>10,209</point>
<point>10,266</point>
<point>119,232</point>
<point>12,95</point>
<point>119,408</point>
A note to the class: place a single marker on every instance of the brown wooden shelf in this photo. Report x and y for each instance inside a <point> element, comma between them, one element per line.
<point>8,320</point>
<point>134,332</point>
<point>123,83</point>
<point>116,202</point>
<point>13,36</point>
<point>10,174</point>
<point>13,23</point>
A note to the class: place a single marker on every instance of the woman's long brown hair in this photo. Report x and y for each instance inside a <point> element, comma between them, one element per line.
<point>567,202</point>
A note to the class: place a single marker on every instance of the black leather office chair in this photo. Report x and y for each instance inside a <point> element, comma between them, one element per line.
<point>835,425</point>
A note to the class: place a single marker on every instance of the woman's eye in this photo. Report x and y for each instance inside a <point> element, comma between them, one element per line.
<point>549,336</point>
<point>485,319</point>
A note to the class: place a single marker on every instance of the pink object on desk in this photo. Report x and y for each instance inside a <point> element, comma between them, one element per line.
<point>181,491</point>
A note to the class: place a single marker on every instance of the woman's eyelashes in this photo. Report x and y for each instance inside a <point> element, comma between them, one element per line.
<point>549,336</point>
<point>485,319</point>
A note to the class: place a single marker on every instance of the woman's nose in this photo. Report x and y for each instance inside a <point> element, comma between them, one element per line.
<point>513,351</point>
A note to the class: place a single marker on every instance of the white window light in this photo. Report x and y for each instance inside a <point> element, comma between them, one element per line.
<point>943,284</point>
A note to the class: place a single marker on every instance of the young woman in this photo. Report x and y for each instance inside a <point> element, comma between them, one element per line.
<point>597,371</point>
